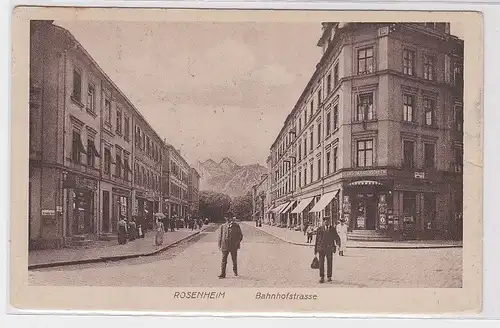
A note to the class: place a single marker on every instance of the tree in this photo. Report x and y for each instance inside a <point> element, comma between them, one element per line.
<point>214,205</point>
<point>242,206</point>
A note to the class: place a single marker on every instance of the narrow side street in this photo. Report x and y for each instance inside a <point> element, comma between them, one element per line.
<point>264,261</point>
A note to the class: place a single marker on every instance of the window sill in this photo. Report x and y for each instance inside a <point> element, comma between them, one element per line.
<point>91,112</point>
<point>373,120</point>
<point>410,123</point>
<point>433,126</point>
<point>77,102</point>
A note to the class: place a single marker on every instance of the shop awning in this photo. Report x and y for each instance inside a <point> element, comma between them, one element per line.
<point>362,183</point>
<point>323,201</point>
<point>278,208</point>
<point>288,207</point>
<point>302,205</point>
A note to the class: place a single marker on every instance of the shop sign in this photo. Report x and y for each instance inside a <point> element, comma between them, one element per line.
<point>48,212</point>
<point>382,221</point>
<point>360,222</point>
<point>74,181</point>
<point>419,175</point>
<point>408,219</point>
<point>49,217</point>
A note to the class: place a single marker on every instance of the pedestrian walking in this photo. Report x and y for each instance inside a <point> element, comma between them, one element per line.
<point>132,230</point>
<point>326,238</point>
<point>122,231</point>
<point>309,233</point>
<point>200,223</point>
<point>159,232</point>
<point>230,237</point>
<point>342,232</point>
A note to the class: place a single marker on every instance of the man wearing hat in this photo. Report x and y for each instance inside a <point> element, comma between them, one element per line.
<point>230,237</point>
<point>326,238</point>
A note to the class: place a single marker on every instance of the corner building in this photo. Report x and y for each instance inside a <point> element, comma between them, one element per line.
<point>376,137</point>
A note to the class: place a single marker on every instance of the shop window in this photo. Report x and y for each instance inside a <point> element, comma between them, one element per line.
<point>429,155</point>
<point>365,61</point>
<point>364,153</point>
<point>408,62</point>
<point>408,109</point>
<point>365,107</point>
<point>409,204</point>
<point>408,154</point>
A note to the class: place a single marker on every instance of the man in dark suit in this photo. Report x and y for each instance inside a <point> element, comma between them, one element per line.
<point>230,237</point>
<point>326,238</point>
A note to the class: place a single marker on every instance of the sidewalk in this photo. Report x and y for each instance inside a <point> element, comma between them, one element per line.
<point>102,251</point>
<point>298,238</point>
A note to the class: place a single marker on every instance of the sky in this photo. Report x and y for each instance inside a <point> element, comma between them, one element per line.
<point>213,90</point>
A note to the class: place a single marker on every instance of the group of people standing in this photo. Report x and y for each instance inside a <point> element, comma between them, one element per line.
<point>129,231</point>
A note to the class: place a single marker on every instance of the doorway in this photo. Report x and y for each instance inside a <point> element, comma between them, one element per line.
<point>371,213</point>
<point>105,211</point>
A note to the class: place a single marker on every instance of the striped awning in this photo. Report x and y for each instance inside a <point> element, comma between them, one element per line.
<point>278,208</point>
<point>362,183</point>
<point>288,207</point>
<point>324,201</point>
<point>302,205</point>
<point>285,205</point>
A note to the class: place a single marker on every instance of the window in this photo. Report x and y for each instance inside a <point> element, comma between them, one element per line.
<point>126,129</point>
<point>119,121</point>
<point>365,61</point>
<point>459,118</point>
<point>408,62</point>
<point>408,102</point>
<point>312,108</point>
<point>329,83</point>
<point>336,74</point>
<point>335,117</point>
<point>319,168</point>
<point>147,146</point>
<point>90,153</point>
<point>429,67</point>
<point>312,172</point>
<point>143,177</point>
<point>136,174</point>
<point>409,204</point>
<point>429,107</point>
<point>300,151</point>
<point>365,107</point>
<point>311,135</point>
<point>107,111</point>
<point>364,153</point>
<point>107,161</point>
<point>300,178</point>
<point>77,85</point>
<point>429,155</point>
<point>408,154</point>
<point>91,97</point>
<point>300,124</point>
<point>126,169</point>
<point>457,74</point>
<point>335,159</point>
<point>328,123</point>
<point>305,116</point>
<point>76,148</point>
<point>305,145</point>
<point>319,98</point>
<point>305,175</point>
<point>319,134</point>
<point>118,165</point>
<point>328,162</point>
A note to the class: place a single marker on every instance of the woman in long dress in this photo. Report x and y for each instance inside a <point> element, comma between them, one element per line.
<point>342,231</point>
<point>159,232</point>
<point>122,232</point>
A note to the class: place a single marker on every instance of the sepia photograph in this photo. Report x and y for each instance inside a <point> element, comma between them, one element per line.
<point>291,157</point>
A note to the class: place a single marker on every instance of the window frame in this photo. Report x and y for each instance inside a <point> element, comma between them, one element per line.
<point>427,164</point>
<point>77,96</point>
<point>431,110</point>
<point>365,150</point>
<point>365,111</point>
<point>409,108</point>
<point>409,61</point>
<point>429,67</point>
<point>368,61</point>
<point>404,163</point>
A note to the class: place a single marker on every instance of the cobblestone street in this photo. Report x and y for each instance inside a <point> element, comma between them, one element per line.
<point>265,261</point>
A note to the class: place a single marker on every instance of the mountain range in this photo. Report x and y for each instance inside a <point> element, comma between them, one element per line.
<point>229,178</point>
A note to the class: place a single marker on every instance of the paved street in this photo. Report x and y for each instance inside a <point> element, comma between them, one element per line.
<point>265,261</point>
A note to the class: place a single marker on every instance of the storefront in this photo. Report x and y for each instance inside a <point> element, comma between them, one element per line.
<point>121,207</point>
<point>81,193</point>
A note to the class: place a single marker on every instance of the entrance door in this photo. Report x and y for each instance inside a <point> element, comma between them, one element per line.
<point>105,211</point>
<point>371,213</point>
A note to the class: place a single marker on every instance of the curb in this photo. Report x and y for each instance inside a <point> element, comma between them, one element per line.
<point>112,258</point>
<point>362,247</point>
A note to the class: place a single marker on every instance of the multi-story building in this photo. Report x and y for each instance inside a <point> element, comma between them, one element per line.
<point>194,192</point>
<point>259,207</point>
<point>376,136</point>
<point>176,173</point>
<point>85,171</point>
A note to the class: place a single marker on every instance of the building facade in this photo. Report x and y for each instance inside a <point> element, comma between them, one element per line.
<point>259,206</point>
<point>176,177</point>
<point>93,158</point>
<point>376,137</point>
<point>194,193</point>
